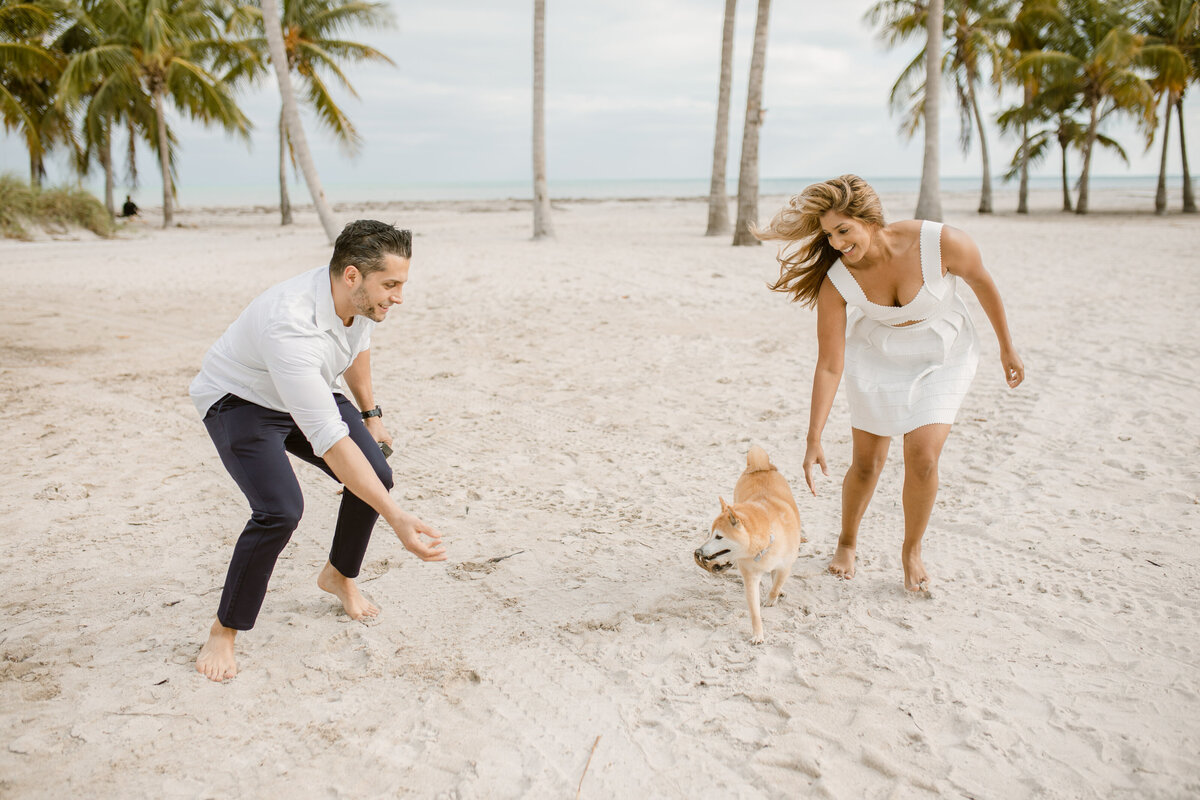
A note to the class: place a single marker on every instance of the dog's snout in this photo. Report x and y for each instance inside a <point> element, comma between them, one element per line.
<point>699,554</point>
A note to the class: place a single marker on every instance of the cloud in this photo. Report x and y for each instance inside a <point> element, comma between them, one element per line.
<point>631,92</point>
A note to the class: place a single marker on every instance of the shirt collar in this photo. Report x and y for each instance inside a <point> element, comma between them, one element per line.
<point>327,317</point>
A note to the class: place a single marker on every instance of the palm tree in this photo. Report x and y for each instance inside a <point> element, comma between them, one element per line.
<point>1189,196</point>
<point>929,201</point>
<point>541,196</point>
<point>310,30</point>
<point>163,48</point>
<point>1026,34</point>
<point>747,205</point>
<point>74,38</point>
<point>901,20</point>
<point>1061,128</point>
<point>1100,55</point>
<point>291,116</point>
<point>114,105</point>
<point>29,72</point>
<point>1052,96</point>
<point>1171,28</point>
<point>973,38</point>
<point>22,54</point>
<point>113,102</point>
<point>46,125</point>
<point>973,29</point>
<point>718,200</point>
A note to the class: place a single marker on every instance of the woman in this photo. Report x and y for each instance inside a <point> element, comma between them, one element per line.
<point>888,312</point>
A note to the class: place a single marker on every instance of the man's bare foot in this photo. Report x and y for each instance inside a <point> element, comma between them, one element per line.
<point>216,661</point>
<point>915,577</point>
<point>346,590</point>
<point>843,562</point>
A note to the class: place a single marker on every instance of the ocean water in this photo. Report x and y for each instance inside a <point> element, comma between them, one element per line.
<point>195,195</point>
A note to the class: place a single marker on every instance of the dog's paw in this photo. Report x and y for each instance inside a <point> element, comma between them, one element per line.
<point>756,639</point>
<point>770,601</point>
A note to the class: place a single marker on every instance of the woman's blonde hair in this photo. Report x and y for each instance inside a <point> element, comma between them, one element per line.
<point>806,255</point>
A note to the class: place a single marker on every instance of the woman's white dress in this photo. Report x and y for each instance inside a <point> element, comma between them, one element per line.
<point>900,377</point>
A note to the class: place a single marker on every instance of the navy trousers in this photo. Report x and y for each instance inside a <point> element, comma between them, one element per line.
<point>253,443</point>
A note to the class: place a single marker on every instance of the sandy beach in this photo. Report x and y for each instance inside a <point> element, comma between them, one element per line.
<point>567,413</point>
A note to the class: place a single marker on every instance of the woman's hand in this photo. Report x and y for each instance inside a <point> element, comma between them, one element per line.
<point>814,454</point>
<point>1014,368</point>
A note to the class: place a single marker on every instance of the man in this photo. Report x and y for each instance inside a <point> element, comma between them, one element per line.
<point>129,209</point>
<point>270,386</point>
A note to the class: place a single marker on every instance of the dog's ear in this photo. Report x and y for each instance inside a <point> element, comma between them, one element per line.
<point>733,520</point>
<point>724,506</point>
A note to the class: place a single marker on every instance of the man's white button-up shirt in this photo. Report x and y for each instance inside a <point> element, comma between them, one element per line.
<point>287,351</point>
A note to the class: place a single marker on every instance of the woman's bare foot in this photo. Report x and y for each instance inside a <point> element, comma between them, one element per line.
<point>915,577</point>
<point>843,562</point>
<point>216,661</point>
<point>346,590</point>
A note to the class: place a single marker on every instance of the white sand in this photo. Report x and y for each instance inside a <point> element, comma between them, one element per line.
<point>579,405</point>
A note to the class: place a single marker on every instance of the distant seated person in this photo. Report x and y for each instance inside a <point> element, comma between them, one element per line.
<point>130,208</point>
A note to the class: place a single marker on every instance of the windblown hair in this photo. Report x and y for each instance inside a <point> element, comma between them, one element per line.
<point>806,255</point>
<point>364,243</point>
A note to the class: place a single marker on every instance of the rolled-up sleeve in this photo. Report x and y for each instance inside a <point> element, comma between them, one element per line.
<point>295,359</point>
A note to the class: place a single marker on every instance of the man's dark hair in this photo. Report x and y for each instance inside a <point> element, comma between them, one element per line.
<point>365,242</point>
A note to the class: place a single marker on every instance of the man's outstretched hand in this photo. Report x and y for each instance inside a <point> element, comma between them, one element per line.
<point>410,529</point>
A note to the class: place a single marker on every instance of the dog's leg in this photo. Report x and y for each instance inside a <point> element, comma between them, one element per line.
<point>780,575</point>
<point>751,583</point>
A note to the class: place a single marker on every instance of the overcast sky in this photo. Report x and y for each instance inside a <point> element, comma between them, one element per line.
<point>631,93</point>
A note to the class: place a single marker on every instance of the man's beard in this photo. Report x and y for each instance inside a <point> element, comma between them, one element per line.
<point>363,305</point>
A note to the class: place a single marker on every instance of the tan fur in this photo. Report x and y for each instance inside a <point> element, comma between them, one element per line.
<point>759,533</point>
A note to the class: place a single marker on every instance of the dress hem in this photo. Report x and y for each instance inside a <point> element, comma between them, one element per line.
<point>919,422</point>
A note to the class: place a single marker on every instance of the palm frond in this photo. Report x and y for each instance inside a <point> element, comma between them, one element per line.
<point>332,116</point>
<point>196,91</point>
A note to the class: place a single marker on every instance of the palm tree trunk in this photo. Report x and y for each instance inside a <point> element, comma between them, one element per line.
<point>718,200</point>
<point>164,157</point>
<point>1066,185</point>
<point>285,203</point>
<point>1086,170</point>
<point>1160,195</point>
<point>985,195</point>
<point>929,202</point>
<point>131,154</point>
<point>291,115</point>
<point>35,169</point>
<point>1023,191</point>
<point>1089,144</point>
<point>1189,197</point>
<point>747,203</point>
<point>106,163</point>
<point>542,228</point>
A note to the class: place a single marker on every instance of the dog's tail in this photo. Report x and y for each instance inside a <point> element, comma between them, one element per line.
<point>757,460</point>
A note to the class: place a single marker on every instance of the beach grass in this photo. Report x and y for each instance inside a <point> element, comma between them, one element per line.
<point>55,210</point>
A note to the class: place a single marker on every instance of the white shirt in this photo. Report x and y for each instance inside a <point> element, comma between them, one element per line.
<point>287,351</point>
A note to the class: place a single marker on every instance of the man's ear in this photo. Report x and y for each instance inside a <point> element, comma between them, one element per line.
<point>351,275</point>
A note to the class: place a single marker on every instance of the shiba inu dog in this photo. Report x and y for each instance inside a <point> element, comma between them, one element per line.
<point>759,533</point>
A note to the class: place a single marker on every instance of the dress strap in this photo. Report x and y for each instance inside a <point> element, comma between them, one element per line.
<point>931,255</point>
<point>847,287</point>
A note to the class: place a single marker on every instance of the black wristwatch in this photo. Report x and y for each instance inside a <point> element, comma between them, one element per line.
<point>374,412</point>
